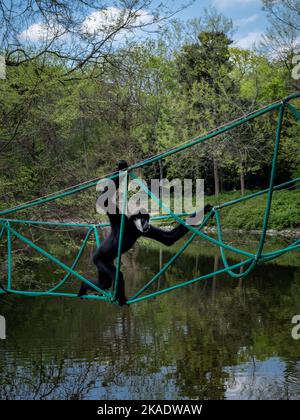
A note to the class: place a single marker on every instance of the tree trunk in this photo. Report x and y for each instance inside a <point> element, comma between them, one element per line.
<point>85,156</point>
<point>161,169</point>
<point>221,178</point>
<point>216,178</point>
<point>242,177</point>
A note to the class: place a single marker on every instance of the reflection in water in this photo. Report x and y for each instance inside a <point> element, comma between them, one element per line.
<point>221,338</point>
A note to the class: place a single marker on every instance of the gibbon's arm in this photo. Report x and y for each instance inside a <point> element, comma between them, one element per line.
<point>169,237</point>
<point>166,237</point>
<point>115,218</point>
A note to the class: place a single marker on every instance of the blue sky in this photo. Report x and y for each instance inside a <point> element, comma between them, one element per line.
<point>247,16</point>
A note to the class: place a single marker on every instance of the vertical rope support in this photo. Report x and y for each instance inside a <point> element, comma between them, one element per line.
<point>271,183</point>
<point>123,211</point>
<point>96,234</point>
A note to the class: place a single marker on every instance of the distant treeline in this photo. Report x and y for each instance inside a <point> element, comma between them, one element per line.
<point>140,99</point>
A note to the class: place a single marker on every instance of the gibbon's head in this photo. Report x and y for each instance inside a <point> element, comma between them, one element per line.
<point>141,220</point>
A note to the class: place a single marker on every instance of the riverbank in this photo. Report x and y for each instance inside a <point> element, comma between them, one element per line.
<point>285,233</point>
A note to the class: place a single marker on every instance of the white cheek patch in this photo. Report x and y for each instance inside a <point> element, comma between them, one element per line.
<point>138,225</point>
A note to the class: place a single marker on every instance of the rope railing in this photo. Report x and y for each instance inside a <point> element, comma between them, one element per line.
<point>249,262</point>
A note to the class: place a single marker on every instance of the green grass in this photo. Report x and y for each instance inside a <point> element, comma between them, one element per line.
<point>248,215</point>
<point>285,211</point>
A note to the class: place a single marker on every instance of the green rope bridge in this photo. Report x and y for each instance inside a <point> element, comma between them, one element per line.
<point>8,226</point>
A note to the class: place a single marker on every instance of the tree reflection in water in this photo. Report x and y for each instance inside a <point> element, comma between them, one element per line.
<point>218,339</point>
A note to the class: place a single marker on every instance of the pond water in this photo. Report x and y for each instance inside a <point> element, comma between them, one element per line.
<point>216,339</point>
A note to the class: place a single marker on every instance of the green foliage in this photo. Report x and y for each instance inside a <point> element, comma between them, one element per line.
<point>144,100</point>
<point>248,215</point>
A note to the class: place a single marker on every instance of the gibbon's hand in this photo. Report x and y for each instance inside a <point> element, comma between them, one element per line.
<point>196,215</point>
<point>122,165</point>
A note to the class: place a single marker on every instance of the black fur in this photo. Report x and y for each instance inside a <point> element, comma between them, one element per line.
<point>108,251</point>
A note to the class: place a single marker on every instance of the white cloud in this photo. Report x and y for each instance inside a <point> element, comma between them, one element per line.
<point>246,21</point>
<point>250,40</point>
<point>225,4</point>
<point>103,21</point>
<point>41,32</point>
<point>107,19</point>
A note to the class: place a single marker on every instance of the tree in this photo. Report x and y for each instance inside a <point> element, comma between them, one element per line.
<point>80,34</point>
<point>260,81</point>
<point>283,34</point>
<point>204,73</point>
<point>78,38</point>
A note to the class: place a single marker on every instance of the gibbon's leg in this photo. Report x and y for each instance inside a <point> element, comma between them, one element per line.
<point>105,278</point>
<point>108,271</point>
<point>107,275</point>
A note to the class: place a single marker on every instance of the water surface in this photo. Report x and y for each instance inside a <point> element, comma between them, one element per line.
<point>216,339</point>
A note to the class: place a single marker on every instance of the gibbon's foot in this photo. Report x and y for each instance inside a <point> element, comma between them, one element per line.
<point>82,290</point>
<point>122,301</point>
<point>122,165</point>
<point>85,289</point>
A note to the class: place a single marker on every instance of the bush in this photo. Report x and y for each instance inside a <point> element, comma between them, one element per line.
<point>248,215</point>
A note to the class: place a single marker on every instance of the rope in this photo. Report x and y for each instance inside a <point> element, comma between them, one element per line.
<point>250,259</point>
